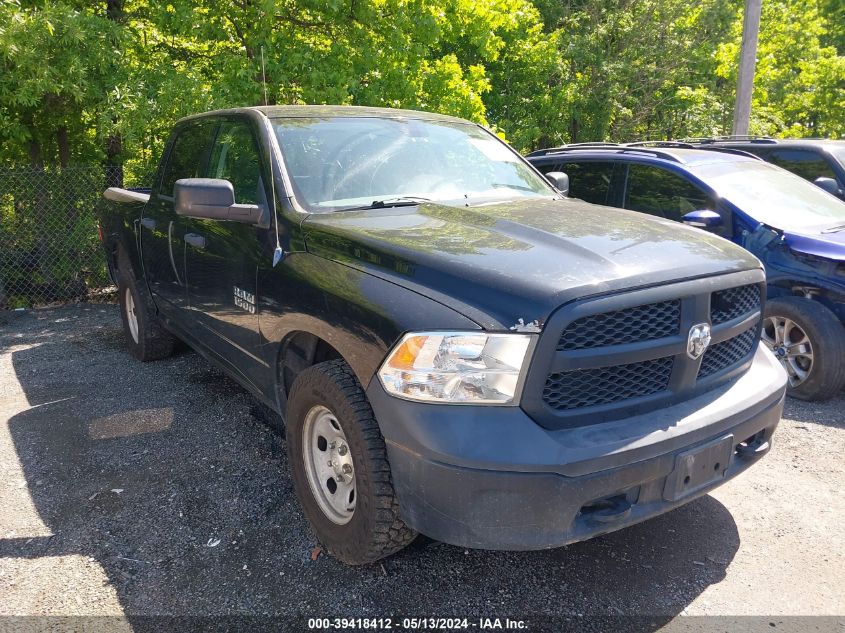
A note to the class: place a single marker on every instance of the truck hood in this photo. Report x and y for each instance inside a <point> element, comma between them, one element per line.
<point>828,245</point>
<point>513,263</point>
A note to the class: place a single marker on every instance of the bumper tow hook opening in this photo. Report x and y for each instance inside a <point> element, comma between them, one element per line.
<point>754,445</point>
<point>607,510</point>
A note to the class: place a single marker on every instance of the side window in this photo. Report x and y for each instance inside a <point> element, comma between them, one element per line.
<point>805,163</point>
<point>235,158</point>
<point>189,155</point>
<point>659,192</point>
<point>589,181</point>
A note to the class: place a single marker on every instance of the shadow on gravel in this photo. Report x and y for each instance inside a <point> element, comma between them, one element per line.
<point>164,475</point>
<point>828,413</point>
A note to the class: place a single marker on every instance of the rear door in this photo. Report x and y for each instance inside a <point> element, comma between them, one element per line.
<point>222,257</point>
<point>161,230</point>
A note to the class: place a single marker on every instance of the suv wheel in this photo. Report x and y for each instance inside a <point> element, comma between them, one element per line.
<point>339,466</point>
<point>809,341</point>
<point>145,335</point>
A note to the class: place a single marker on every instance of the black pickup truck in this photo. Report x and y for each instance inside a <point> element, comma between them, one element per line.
<point>455,348</point>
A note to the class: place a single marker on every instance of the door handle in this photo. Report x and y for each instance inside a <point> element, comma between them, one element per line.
<point>197,241</point>
<point>149,223</point>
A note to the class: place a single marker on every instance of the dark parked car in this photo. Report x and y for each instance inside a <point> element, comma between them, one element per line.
<point>455,348</point>
<point>797,230</point>
<point>821,161</point>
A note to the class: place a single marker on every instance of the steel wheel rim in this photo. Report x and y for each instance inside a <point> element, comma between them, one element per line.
<point>328,465</point>
<point>131,316</point>
<point>791,346</point>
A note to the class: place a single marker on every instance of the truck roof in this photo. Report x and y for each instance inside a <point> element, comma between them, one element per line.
<point>326,111</point>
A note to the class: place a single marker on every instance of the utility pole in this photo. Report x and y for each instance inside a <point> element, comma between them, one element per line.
<point>747,63</point>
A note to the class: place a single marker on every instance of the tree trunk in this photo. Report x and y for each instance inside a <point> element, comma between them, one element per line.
<point>114,10</point>
<point>64,146</point>
<point>40,211</point>
<point>114,164</point>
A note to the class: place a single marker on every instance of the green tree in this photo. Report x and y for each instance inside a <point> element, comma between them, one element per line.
<point>799,87</point>
<point>59,66</point>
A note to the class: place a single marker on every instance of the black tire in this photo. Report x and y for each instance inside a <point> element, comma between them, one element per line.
<point>150,340</point>
<point>375,529</point>
<point>826,334</point>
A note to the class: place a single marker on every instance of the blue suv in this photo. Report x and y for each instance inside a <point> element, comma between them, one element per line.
<point>795,228</point>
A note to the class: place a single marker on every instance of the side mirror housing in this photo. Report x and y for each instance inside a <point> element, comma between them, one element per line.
<point>213,199</point>
<point>828,184</point>
<point>559,180</point>
<point>704,219</point>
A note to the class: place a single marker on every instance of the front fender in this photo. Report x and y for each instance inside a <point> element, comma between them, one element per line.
<point>359,315</point>
<point>789,272</point>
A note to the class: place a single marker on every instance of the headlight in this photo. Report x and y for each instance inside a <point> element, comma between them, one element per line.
<point>457,367</point>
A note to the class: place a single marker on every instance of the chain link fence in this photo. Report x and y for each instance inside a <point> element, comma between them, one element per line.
<point>49,248</point>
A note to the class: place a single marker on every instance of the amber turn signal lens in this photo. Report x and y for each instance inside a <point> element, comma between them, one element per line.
<point>407,352</point>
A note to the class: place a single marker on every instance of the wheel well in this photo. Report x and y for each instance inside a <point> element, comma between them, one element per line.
<point>111,262</point>
<point>299,351</point>
<point>835,302</point>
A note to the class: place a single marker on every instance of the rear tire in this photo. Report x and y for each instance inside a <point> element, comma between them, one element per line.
<point>338,463</point>
<point>146,337</point>
<point>809,341</point>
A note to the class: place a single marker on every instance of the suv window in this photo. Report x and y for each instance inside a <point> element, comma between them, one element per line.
<point>235,158</point>
<point>189,156</point>
<point>659,192</point>
<point>589,181</point>
<point>807,164</point>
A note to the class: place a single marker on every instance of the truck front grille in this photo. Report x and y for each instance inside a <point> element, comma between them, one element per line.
<point>728,304</point>
<point>722,355</point>
<point>609,357</point>
<point>631,325</point>
<point>604,385</point>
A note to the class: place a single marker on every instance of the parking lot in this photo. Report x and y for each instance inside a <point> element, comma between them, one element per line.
<point>160,489</point>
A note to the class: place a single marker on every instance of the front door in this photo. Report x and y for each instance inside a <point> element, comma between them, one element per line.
<point>658,191</point>
<point>222,257</point>
<point>161,230</point>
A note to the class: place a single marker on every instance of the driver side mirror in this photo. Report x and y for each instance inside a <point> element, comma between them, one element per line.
<point>214,199</point>
<point>559,181</point>
<point>704,219</point>
<point>830,185</point>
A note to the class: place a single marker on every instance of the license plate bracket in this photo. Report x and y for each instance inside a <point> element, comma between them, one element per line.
<point>698,468</point>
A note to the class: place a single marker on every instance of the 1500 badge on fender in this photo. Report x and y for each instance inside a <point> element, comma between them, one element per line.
<point>245,300</point>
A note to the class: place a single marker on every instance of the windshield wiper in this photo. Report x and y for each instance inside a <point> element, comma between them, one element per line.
<point>505,185</point>
<point>398,201</point>
<point>834,229</point>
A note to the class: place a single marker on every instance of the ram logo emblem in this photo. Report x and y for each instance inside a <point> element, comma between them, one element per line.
<point>698,340</point>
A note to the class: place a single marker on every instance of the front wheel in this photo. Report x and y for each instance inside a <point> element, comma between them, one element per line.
<point>809,341</point>
<point>339,466</point>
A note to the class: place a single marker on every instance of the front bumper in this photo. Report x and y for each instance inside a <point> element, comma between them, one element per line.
<point>490,477</point>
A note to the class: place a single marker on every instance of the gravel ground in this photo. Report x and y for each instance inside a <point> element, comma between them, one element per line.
<point>147,489</point>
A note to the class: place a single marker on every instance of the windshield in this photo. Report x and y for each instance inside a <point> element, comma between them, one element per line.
<point>772,195</point>
<point>839,153</point>
<point>348,162</point>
